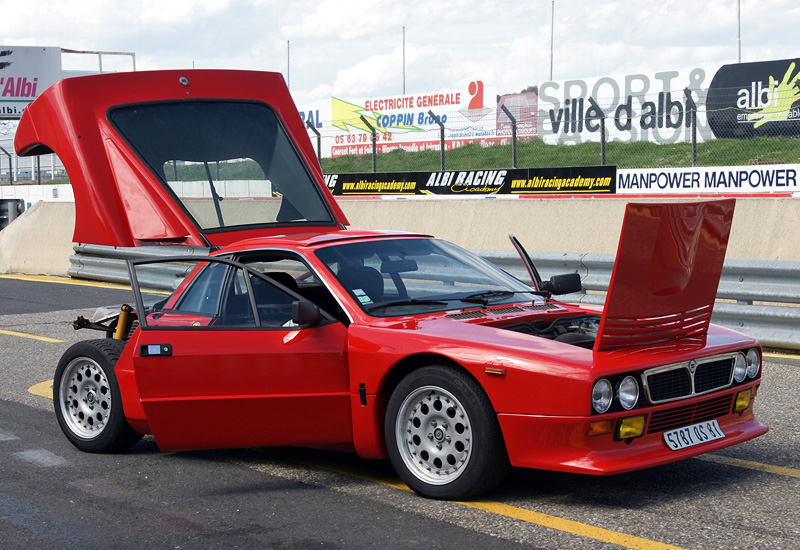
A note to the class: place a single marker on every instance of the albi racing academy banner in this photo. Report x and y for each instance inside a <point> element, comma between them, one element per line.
<point>530,181</point>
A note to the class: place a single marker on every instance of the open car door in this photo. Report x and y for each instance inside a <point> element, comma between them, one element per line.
<point>219,362</point>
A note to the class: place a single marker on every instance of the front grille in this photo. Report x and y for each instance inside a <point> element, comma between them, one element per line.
<point>690,378</point>
<point>712,375</point>
<point>670,384</point>
<point>686,415</point>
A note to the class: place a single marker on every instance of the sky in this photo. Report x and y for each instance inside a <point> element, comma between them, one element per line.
<point>354,48</point>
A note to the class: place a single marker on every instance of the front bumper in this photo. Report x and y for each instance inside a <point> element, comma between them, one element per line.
<point>560,442</point>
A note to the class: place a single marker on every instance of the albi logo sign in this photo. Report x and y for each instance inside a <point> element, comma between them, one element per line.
<point>755,99</point>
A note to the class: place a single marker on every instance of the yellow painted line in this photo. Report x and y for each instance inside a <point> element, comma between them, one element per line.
<point>569,526</point>
<point>780,355</point>
<point>43,389</point>
<point>738,462</point>
<point>522,514</point>
<point>31,336</point>
<point>45,279</point>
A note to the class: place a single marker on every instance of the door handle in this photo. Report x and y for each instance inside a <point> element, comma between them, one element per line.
<point>154,350</point>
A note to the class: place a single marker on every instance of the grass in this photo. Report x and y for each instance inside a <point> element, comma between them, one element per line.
<point>537,154</point>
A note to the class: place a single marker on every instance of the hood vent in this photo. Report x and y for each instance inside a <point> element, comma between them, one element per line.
<point>511,309</point>
<point>541,307</point>
<point>467,315</point>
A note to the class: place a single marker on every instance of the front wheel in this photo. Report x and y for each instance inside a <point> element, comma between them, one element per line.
<point>87,399</point>
<point>442,435</point>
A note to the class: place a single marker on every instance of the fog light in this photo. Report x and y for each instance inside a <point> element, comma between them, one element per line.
<point>742,400</point>
<point>630,427</point>
<point>601,427</point>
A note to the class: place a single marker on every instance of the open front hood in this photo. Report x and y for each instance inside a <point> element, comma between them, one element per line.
<point>666,273</point>
<point>202,157</point>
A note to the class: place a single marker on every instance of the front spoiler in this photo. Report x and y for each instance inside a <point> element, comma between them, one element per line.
<point>560,443</point>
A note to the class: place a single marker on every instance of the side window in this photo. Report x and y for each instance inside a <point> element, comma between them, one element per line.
<point>274,305</point>
<point>292,273</point>
<point>217,293</point>
<point>207,293</point>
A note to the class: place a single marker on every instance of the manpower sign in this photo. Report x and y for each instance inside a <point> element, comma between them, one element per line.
<point>25,72</point>
<point>716,180</point>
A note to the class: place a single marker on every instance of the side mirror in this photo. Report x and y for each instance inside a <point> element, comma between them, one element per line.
<point>304,313</point>
<point>562,284</point>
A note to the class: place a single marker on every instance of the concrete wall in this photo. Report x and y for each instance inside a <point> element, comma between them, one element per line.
<point>763,228</point>
<point>40,241</point>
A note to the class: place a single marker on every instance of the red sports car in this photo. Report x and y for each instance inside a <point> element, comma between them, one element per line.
<point>298,331</point>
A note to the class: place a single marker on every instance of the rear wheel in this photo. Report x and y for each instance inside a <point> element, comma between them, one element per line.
<point>442,435</point>
<point>87,399</point>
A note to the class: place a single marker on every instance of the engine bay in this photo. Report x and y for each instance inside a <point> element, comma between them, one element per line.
<point>578,330</point>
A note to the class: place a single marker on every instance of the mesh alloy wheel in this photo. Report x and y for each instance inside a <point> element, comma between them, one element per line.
<point>434,435</point>
<point>86,397</point>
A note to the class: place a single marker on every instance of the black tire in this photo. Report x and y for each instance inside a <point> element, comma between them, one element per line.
<point>87,399</point>
<point>442,435</point>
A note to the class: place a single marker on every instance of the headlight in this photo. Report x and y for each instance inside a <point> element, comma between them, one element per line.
<point>602,393</point>
<point>740,367</point>
<point>753,362</point>
<point>628,393</point>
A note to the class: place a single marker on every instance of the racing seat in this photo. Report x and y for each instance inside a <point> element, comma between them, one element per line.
<point>362,279</point>
<point>283,278</point>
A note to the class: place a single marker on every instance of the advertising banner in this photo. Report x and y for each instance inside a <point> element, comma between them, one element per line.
<point>637,107</point>
<point>715,180</point>
<point>525,181</point>
<point>755,99</point>
<point>25,72</point>
<point>405,121</point>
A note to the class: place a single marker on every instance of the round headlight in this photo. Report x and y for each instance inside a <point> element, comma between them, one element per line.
<point>740,367</point>
<point>628,393</point>
<point>602,393</point>
<point>753,362</point>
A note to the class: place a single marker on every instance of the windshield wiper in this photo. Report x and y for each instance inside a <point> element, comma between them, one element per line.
<point>484,297</point>
<point>407,302</point>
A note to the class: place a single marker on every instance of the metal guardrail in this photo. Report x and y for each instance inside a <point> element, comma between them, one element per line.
<point>758,298</point>
<point>109,263</point>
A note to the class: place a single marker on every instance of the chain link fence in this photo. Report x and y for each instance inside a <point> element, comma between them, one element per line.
<point>663,130</point>
<point>28,170</point>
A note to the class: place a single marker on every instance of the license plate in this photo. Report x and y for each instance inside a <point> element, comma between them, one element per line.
<point>696,434</point>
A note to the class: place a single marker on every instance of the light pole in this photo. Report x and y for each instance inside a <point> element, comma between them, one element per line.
<point>739,28</point>
<point>552,19</point>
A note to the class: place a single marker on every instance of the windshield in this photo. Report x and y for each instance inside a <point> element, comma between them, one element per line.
<point>227,163</point>
<point>406,276</point>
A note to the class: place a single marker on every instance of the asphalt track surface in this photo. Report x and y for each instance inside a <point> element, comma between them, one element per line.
<point>54,496</point>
